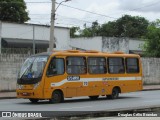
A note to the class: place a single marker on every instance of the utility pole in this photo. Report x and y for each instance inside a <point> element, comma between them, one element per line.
<point>53,14</point>
<point>52,41</point>
<point>33,39</point>
<point>0,37</point>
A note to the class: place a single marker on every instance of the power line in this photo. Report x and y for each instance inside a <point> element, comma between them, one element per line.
<point>144,6</point>
<point>147,6</point>
<point>22,2</point>
<point>95,12</point>
<point>39,2</point>
<point>65,17</point>
<point>87,11</point>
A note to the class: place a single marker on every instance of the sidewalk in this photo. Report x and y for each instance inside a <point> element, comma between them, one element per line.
<point>151,87</point>
<point>9,95</point>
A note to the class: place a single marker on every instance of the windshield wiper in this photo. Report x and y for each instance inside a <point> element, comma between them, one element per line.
<point>26,70</point>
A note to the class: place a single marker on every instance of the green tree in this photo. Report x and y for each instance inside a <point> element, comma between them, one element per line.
<point>87,32</point>
<point>92,31</point>
<point>13,11</point>
<point>152,43</point>
<point>95,28</point>
<point>131,26</point>
<point>109,29</point>
<point>73,31</point>
<point>126,26</point>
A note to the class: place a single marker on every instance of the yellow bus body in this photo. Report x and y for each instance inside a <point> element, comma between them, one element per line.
<point>97,84</point>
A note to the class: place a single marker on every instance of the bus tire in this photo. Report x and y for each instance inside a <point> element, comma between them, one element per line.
<point>115,94</point>
<point>57,97</point>
<point>93,97</point>
<point>34,100</point>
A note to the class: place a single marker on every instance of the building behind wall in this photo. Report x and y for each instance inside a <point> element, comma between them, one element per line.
<point>13,35</point>
<point>108,44</point>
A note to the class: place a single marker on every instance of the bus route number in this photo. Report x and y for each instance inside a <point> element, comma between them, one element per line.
<point>85,83</point>
<point>73,78</point>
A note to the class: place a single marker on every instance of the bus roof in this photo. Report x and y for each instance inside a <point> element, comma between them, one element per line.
<point>85,53</point>
<point>90,53</point>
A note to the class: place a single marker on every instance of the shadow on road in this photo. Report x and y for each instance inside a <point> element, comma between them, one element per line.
<point>76,100</point>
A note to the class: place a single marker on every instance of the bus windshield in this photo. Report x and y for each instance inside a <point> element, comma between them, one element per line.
<point>32,67</point>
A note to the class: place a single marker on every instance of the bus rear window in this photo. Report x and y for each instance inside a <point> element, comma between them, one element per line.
<point>132,65</point>
<point>116,65</point>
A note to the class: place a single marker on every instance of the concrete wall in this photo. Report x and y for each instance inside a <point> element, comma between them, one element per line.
<point>42,32</point>
<point>92,43</point>
<point>135,44</point>
<point>10,65</point>
<point>111,44</point>
<point>107,44</point>
<point>151,70</point>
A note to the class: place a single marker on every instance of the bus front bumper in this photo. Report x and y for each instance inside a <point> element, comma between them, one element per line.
<point>28,94</point>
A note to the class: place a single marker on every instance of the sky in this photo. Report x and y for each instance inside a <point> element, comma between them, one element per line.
<point>104,11</point>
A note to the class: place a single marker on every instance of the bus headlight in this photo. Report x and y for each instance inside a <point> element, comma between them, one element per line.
<point>36,85</point>
<point>19,86</point>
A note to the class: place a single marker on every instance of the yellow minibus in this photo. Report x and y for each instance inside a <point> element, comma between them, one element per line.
<point>73,73</point>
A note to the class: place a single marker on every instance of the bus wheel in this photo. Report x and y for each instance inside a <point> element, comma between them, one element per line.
<point>57,97</point>
<point>93,97</point>
<point>34,100</point>
<point>115,94</point>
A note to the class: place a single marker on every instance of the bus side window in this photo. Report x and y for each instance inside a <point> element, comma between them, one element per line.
<point>76,65</point>
<point>97,65</point>
<point>56,67</point>
<point>132,65</point>
<point>116,65</point>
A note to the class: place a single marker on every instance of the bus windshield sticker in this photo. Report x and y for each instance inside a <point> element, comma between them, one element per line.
<point>73,78</point>
<point>42,59</point>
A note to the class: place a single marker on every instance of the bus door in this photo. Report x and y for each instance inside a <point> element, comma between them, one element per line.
<point>76,70</point>
<point>55,76</point>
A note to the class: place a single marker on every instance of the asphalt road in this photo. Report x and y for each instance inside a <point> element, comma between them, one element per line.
<point>126,101</point>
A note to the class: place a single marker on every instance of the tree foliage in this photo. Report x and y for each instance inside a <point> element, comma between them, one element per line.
<point>109,29</point>
<point>131,26</point>
<point>91,31</point>
<point>13,11</point>
<point>126,26</point>
<point>73,31</point>
<point>152,43</point>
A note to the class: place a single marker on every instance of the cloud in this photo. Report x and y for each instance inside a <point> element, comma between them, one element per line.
<point>140,5</point>
<point>116,8</point>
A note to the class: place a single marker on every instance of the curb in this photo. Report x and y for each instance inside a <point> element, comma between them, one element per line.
<point>110,113</point>
<point>151,89</point>
<point>7,98</point>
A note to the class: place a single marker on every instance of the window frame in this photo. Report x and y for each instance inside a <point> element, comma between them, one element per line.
<point>85,65</point>
<point>106,70</point>
<point>50,63</point>
<point>116,65</point>
<point>132,65</point>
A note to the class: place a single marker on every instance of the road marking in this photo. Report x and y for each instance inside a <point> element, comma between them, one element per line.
<point>77,107</point>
